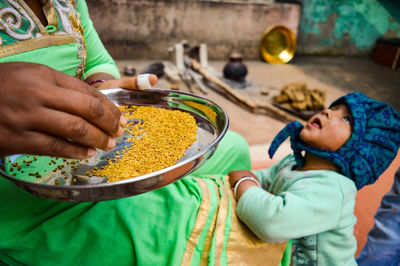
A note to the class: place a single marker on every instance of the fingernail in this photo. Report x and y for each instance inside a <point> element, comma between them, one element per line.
<point>120,131</point>
<point>153,79</point>
<point>91,152</point>
<point>122,120</point>
<point>111,143</point>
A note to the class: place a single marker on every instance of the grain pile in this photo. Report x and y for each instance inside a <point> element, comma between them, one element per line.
<point>159,139</point>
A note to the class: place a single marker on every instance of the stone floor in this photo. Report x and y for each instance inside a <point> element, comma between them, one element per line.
<point>335,75</point>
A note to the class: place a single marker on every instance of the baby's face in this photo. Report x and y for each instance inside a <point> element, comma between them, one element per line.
<point>329,129</point>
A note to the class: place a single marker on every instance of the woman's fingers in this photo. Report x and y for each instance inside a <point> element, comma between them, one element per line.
<point>71,83</point>
<point>90,109</point>
<point>44,144</point>
<point>72,127</point>
<point>46,112</point>
<point>141,82</point>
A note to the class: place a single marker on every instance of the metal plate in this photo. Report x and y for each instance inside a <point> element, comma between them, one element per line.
<point>71,183</point>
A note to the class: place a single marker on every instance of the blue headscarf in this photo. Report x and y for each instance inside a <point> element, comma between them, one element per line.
<point>371,148</point>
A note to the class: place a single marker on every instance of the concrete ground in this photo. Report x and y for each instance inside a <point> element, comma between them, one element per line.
<point>337,76</point>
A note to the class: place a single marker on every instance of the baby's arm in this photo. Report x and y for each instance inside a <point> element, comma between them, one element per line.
<point>308,207</point>
<point>262,176</point>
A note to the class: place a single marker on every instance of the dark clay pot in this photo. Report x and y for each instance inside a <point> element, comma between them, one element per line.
<point>235,69</point>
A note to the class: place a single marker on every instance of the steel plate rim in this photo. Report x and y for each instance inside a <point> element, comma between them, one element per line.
<point>142,177</point>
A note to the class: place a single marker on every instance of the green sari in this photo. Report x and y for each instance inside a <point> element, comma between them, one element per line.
<point>190,222</point>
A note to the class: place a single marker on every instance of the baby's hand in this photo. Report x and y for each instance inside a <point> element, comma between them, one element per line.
<point>242,180</point>
<point>236,175</point>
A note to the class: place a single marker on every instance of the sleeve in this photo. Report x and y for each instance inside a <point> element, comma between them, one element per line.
<point>98,59</point>
<point>308,207</point>
<point>383,243</point>
<point>268,175</point>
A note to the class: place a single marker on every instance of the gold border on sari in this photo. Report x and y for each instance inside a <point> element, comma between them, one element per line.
<point>33,44</point>
<point>242,247</point>
<point>199,224</point>
<point>245,248</point>
<point>210,232</point>
<point>221,222</point>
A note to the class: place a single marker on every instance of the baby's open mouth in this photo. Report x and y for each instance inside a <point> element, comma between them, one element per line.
<point>316,122</point>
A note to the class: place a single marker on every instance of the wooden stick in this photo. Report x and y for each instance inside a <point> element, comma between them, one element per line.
<point>275,111</point>
<point>236,97</point>
<point>225,87</point>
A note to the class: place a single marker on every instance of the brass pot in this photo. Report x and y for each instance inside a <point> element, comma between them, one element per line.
<point>278,45</point>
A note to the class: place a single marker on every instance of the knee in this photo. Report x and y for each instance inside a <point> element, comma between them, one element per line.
<point>234,143</point>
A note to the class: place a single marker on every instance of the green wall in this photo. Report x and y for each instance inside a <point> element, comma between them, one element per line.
<point>346,27</point>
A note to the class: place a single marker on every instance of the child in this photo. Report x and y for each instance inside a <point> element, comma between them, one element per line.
<point>309,196</point>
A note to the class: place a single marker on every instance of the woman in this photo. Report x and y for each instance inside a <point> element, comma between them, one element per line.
<point>188,222</point>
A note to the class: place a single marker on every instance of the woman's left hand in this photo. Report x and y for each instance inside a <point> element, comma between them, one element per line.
<point>103,81</point>
<point>141,82</point>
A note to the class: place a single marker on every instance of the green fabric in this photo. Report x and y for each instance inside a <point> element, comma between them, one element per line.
<point>21,31</point>
<point>286,258</point>
<point>64,57</point>
<point>232,154</point>
<point>151,227</point>
<point>220,181</point>
<point>213,208</point>
<point>314,208</point>
<point>147,229</point>
<point>60,58</point>
<point>213,182</point>
<point>98,58</point>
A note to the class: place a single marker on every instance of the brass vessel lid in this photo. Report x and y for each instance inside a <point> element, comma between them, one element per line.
<point>278,44</point>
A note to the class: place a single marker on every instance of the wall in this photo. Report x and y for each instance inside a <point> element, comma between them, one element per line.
<point>146,28</point>
<point>349,27</point>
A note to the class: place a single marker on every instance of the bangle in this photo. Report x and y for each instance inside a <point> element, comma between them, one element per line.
<point>96,81</point>
<point>238,182</point>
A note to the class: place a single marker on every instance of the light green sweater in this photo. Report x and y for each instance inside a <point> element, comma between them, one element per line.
<point>314,208</point>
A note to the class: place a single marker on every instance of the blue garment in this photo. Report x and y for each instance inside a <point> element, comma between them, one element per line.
<point>371,148</point>
<point>383,244</point>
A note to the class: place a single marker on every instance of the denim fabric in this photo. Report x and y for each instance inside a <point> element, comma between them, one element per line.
<point>383,244</point>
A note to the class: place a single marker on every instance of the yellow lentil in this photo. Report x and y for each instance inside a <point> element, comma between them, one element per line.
<point>159,141</point>
<point>210,113</point>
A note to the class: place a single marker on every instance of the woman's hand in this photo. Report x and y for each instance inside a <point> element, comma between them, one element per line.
<point>125,83</point>
<point>46,112</point>
<point>235,176</point>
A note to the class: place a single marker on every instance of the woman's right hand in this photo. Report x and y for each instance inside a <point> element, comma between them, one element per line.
<point>46,112</point>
